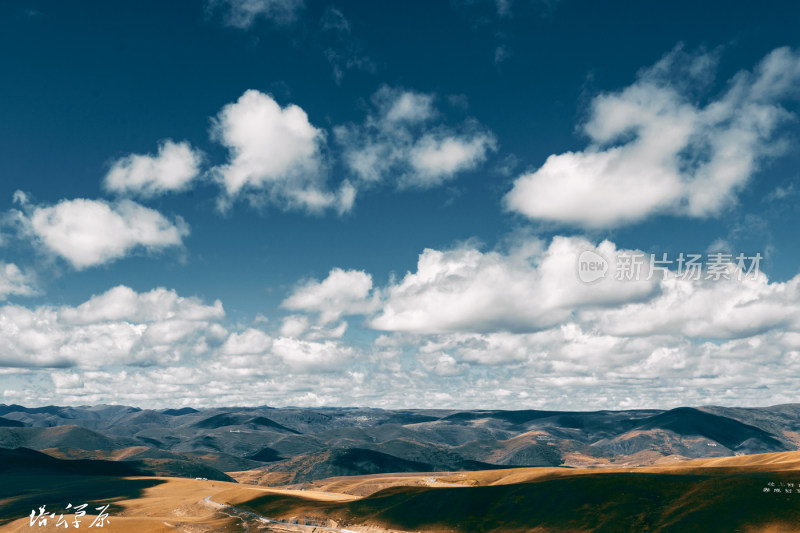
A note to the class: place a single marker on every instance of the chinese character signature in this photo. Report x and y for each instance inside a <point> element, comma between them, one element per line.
<point>41,518</point>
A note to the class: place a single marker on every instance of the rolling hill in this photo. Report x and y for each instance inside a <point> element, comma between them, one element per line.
<point>307,444</point>
<point>677,499</point>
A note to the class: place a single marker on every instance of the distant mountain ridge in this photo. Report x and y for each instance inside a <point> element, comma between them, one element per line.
<point>313,442</point>
<point>5,422</point>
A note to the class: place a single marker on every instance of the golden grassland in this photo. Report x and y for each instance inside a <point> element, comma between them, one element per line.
<point>166,504</point>
<point>713,494</point>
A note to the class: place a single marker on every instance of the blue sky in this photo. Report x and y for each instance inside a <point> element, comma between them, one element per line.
<point>295,202</point>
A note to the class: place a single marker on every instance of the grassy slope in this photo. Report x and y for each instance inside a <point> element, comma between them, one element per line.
<point>704,500</point>
<point>21,493</point>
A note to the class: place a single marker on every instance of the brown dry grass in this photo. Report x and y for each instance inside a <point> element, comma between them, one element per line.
<point>178,503</point>
<point>175,503</point>
<point>369,484</point>
<point>261,477</point>
<point>782,461</point>
<point>111,455</point>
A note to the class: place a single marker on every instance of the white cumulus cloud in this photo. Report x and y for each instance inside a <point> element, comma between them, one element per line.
<point>653,150</point>
<point>122,303</point>
<point>308,356</point>
<point>119,326</point>
<point>275,155</point>
<point>249,342</point>
<point>172,169</point>
<point>399,140</point>
<point>343,292</point>
<point>88,233</point>
<point>397,105</point>
<point>707,308</point>
<point>527,289</point>
<point>436,159</point>
<point>15,282</point>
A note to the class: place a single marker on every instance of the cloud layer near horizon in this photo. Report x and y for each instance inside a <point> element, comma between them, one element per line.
<point>502,324</point>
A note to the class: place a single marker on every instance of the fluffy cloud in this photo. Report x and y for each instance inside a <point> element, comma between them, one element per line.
<point>438,158</point>
<point>93,232</point>
<point>528,289</point>
<point>531,288</point>
<point>581,361</point>
<point>515,327</point>
<point>172,169</point>
<point>193,386</point>
<point>398,140</point>
<point>15,282</point>
<point>307,356</point>
<point>257,352</point>
<point>343,292</point>
<point>119,326</point>
<point>294,326</point>
<point>299,326</point>
<point>678,157</point>
<point>716,309</point>
<point>243,13</point>
<point>439,363</point>
<point>396,105</point>
<point>122,303</point>
<point>252,341</point>
<point>566,348</point>
<point>563,368</point>
<point>275,154</point>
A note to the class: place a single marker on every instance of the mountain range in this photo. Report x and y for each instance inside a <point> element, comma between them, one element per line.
<point>297,445</point>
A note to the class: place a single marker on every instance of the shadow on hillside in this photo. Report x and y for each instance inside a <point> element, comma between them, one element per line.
<point>20,494</point>
<point>606,502</point>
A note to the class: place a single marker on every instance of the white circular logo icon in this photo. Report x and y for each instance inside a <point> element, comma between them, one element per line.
<point>591,266</point>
